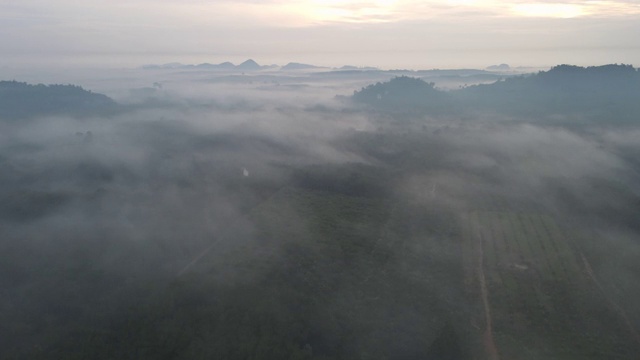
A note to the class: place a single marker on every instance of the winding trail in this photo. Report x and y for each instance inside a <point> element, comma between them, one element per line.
<point>489,343</point>
<point>616,306</point>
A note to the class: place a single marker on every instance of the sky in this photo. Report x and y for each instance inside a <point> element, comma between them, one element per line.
<point>384,33</point>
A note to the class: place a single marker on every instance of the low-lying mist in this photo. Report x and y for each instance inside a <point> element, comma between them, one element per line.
<point>255,216</point>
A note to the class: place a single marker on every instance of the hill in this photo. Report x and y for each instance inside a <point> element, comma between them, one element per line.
<point>20,100</point>
<point>597,92</point>
<point>299,66</point>
<point>564,89</point>
<point>401,93</point>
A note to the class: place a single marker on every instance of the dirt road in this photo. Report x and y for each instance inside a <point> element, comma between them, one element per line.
<point>489,343</point>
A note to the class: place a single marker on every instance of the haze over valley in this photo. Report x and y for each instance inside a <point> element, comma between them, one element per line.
<point>235,210</point>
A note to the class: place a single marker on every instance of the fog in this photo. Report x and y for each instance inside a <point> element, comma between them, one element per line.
<point>271,215</point>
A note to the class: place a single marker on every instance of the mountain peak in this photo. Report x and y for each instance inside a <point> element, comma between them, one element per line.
<point>249,65</point>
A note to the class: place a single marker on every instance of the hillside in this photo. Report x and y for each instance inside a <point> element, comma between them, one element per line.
<point>401,93</point>
<point>20,100</point>
<point>564,89</point>
<point>606,92</point>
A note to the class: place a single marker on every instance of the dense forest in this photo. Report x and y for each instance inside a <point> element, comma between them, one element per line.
<point>565,92</point>
<point>21,100</point>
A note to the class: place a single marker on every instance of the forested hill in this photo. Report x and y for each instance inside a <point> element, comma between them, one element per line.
<point>20,100</point>
<point>564,89</point>
<point>610,90</point>
<point>401,93</point>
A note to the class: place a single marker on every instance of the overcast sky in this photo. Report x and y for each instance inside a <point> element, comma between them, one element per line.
<point>384,33</point>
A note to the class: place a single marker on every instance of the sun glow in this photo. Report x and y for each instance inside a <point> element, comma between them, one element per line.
<point>319,12</point>
<point>352,11</point>
<point>549,10</point>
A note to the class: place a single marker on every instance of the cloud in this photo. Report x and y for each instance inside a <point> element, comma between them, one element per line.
<point>278,13</point>
<point>573,9</point>
<point>294,30</point>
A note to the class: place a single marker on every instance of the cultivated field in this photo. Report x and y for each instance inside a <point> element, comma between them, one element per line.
<point>538,298</point>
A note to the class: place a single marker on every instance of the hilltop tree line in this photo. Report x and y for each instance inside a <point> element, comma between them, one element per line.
<point>19,100</point>
<point>606,92</point>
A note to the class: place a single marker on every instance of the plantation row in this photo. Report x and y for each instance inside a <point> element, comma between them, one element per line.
<point>542,303</point>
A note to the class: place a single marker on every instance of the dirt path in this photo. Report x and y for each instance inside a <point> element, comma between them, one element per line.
<point>618,308</point>
<point>489,343</point>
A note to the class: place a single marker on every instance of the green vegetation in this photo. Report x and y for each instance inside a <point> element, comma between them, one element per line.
<point>404,94</point>
<point>21,100</point>
<point>537,286</point>
<point>412,237</point>
<point>563,95</point>
<point>324,276</point>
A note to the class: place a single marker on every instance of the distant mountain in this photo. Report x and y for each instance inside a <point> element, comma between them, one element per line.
<point>249,65</point>
<point>20,100</point>
<point>299,66</point>
<point>351,67</point>
<point>173,65</point>
<point>206,66</point>
<point>226,66</point>
<point>451,72</point>
<point>501,67</point>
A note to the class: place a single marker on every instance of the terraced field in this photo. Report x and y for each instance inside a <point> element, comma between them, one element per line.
<point>538,300</point>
